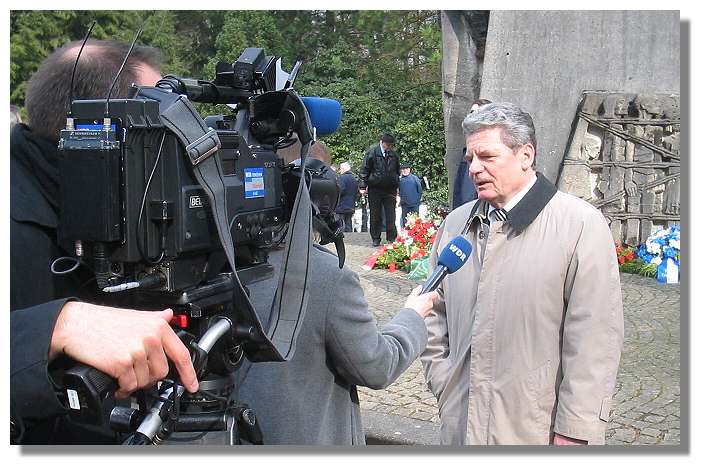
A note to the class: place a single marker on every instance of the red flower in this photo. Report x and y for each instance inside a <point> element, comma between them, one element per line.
<point>392,268</point>
<point>621,260</point>
<point>630,255</point>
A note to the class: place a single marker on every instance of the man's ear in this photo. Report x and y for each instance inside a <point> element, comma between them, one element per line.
<point>527,153</point>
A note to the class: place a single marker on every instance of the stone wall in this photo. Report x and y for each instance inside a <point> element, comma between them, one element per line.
<point>624,157</point>
<point>544,61</point>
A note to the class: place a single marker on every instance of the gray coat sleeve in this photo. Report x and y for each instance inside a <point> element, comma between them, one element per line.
<point>361,353</point>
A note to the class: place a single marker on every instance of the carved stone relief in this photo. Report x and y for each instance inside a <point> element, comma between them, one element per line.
<point>624,158</point>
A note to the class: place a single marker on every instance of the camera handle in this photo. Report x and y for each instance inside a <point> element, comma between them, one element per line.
<point>87,387</point>
<point>161,418</point>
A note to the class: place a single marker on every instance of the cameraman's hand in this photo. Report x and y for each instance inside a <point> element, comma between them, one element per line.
<point>130,345</point>
<point>423,304</point>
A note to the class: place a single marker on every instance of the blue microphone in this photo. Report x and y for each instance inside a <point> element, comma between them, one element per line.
<point>452,258</point>
<point>325,114</point>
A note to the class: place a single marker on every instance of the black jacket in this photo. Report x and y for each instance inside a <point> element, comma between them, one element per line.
<point>379,172</point>
<point>36,413</point>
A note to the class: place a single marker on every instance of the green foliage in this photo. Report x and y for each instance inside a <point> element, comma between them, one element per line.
<point>396,256</point>
<point>383,66</point>
<point>638,266</point>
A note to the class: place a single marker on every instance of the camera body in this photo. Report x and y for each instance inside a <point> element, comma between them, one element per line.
<point>131,190</point>
<point>139,212</point>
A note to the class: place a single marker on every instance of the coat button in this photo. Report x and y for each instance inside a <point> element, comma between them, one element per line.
<point>482,235</point>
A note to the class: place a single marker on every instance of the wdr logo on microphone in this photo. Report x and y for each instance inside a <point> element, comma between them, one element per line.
<point>458,252</point>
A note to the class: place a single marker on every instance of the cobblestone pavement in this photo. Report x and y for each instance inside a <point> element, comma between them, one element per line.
<point>647,396</point>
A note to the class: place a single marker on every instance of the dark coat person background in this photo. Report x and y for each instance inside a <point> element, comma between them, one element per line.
<point>410,190</point>
<point>348,195</point>
<point>379,176</point>
<point>463,187</point>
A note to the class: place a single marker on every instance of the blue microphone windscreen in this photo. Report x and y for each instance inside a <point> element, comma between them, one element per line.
<point>325,114</point>
<point>455,254</point>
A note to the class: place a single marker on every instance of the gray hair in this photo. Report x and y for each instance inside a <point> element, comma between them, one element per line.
<point>345,166</point>
<point>517,126</point>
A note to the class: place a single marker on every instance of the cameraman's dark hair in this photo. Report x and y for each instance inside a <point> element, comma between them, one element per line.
<point>387,138</point>
<point>48,90</point>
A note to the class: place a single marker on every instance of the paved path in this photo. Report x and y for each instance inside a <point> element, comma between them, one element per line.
<point>647,396</point>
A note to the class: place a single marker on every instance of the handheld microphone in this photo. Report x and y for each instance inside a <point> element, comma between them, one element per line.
<point>452,258</point>
<point>325,114</point>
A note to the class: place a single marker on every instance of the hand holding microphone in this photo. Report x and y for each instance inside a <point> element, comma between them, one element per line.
<point>451,259</point>
<point>421,303</point>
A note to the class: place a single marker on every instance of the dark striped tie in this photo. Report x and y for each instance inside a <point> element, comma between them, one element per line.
<point>500,214</point>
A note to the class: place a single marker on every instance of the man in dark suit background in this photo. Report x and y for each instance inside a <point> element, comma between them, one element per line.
<point>348,194</point>
<point>379,177</point>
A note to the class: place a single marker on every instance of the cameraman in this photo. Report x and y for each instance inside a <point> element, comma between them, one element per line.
<point>48,324</point>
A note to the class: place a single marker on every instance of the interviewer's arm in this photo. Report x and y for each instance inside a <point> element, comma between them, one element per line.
<point>362,353</point>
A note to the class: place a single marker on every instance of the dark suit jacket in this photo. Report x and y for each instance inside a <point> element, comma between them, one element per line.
<point>378,172</point>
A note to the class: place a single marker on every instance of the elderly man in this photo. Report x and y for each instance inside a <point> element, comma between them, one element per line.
<point>526,338</point>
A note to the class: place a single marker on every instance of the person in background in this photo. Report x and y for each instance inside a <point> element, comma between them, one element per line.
<point>379,178</point>
<point>348,193</point>
<point>463,187</point>
<point>410,190</point>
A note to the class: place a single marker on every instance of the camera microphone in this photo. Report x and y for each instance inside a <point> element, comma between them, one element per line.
<point>325,114</point>
<point>451,259</point>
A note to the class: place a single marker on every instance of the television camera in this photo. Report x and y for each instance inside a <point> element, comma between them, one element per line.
<point>173,211</point>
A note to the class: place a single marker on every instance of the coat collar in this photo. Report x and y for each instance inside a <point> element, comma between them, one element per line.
<point>525,211</point>
<point>34,178</point>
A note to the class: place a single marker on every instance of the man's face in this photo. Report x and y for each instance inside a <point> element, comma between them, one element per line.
<point>386,145</point>
<point>147,76</point>
<point>406,171</point>
<point>497,171</point>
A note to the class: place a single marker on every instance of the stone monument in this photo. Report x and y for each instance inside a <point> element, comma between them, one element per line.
<point>624,157</point>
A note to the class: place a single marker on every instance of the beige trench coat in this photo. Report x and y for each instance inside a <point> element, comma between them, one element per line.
<point>526,337</point>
